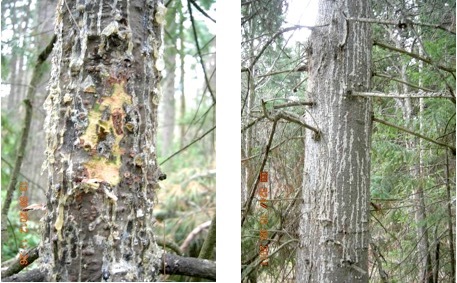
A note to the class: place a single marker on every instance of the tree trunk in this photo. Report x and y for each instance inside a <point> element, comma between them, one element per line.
<point>182,114</point>
<point>168,106</point>
<point>419,197</point>
<point>334,230</point>
<point>100,132</point>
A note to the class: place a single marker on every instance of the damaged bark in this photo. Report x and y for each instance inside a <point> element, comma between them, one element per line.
<point>100,131</point>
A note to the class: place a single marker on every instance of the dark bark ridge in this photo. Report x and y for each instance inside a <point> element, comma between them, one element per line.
<point>100,133</point>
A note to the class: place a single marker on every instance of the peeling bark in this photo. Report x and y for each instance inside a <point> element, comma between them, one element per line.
<point>100,132</point>
<point>335,215</point>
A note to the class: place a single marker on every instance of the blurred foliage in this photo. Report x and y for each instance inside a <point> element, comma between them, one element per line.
<point>14,238</point>
<point>10,135</point>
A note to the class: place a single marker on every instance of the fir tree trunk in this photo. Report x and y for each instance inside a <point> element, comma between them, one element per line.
<point>100,132</point>
<point>334,230</point>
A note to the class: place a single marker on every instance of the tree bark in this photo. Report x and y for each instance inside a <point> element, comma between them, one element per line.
<point>334,230</point>
<point>100,132</point>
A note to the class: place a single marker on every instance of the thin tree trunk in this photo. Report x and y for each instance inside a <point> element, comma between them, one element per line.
<point>449,220</point>
<point>426,270</point>
<point>248,172</point>
<point>12,80</point>
<point>100,131</point>
<point>168,106</point>
<point>334,230</point>
<point>182,114</point>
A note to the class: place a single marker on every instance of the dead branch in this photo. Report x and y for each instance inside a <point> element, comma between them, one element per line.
<point>395,23</point>
<point>291,117</point>
<point>197,230</point>
<point>248,203</point>
<point>188,266</point>
<point>419,94</point>
<point>414,55</point>
<point>415,134</point>
<point>171,265</point>
<point>294,103</point>
<point>403,82</point>
<point>272,38</point>
<point>16,266</point>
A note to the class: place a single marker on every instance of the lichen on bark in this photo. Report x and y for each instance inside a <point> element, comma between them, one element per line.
<point>100,131</point>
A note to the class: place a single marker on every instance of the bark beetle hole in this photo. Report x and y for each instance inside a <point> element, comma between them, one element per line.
<point>128,256</point>
<point>115,41</point>
<point>129,226</point>
<point>73,250</point>
<point>105,275</point>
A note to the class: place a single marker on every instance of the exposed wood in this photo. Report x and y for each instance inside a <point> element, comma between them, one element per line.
<point>291,117</point>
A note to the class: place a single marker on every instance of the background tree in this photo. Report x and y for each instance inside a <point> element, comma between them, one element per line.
<point>412,149</point>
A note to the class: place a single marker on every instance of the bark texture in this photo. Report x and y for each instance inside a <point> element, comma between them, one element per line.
<point>335,216</point>
<point>100,131</point>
